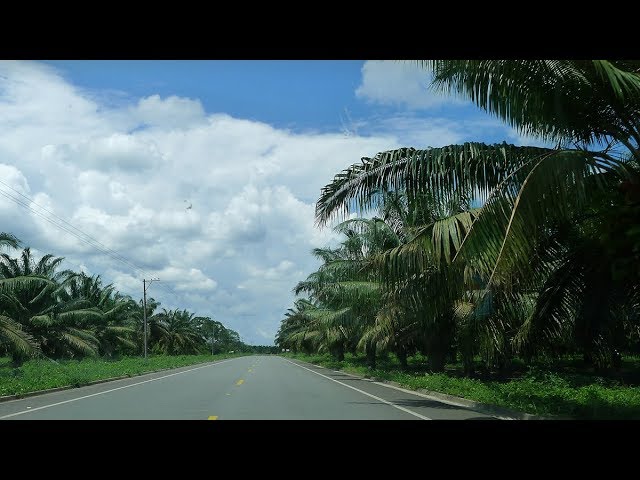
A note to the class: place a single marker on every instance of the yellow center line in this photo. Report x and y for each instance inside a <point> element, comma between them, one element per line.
<point>240,382</point>
<point>213,417</point>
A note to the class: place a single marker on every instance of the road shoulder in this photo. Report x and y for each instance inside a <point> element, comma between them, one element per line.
<point>493,410</point>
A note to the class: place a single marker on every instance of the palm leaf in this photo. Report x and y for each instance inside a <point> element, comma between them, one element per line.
<point>81,341</point>
<point>14,338</point>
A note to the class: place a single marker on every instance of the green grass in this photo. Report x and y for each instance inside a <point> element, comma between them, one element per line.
<point>539,391</point>
<point>41,374</point>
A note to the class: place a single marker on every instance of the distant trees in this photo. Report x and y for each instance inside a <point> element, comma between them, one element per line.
<point>45,311</point>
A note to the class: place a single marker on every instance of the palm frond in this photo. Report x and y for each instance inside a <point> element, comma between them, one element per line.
<point>81,341</point>
<point>9,240</point>
<point>14,338</point>
<point>443,172</point>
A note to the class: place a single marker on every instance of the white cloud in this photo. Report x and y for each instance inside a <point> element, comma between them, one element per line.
<point>404,83</point>
<point>126,174</point>
<point>172,112</point>
<point>517,138</point>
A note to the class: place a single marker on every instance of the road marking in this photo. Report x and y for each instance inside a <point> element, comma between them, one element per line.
<point>406,410</point>
<point>240,382</point>
<point>228,394</point>
<point>423,395</point>
<point>112,390</point>
<point>212,417</point>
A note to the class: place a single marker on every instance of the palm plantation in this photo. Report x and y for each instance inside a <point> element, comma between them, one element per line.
<point>545,264</point>
<point>50,313</point>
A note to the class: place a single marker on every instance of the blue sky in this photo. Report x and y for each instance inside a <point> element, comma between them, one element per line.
<point>285,93</point>
<point>120,148</point>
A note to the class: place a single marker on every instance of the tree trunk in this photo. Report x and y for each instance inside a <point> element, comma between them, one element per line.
<point>338,351</point>
<point>371,355</point>
<point>402,356</point>
<point>437,360</point>
<point>17,360</point>
<point>587,356</point>
<point>468,364</point>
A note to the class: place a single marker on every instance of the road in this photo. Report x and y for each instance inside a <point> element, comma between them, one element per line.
<point>244,388</point>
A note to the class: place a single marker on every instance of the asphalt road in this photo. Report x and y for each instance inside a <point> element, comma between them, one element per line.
<point>245,388</point>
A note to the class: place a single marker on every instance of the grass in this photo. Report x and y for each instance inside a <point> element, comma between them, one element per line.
<point>561,390</point>
<point>41,374</point>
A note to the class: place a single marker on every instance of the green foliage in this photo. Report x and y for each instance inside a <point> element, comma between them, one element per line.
<point>48,313</point>
<point>511,253</point>
<point>538,391</point>
<point>40,374</point>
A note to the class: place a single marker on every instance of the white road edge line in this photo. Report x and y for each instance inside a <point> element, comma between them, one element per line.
<point>413,392</point>
<point>112,390</point>
<point>363,392</point>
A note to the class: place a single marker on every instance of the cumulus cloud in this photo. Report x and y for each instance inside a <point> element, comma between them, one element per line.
<point>126,174</point>
<point>171,112</point>
<point>402,83</point>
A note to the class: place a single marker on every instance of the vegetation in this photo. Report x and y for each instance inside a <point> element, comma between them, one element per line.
<point>49,313</point>
<point>41,374</point>
<point>507,253</point>
<point>539,389</point>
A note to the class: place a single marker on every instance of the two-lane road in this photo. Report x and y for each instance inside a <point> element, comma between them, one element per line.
<point>244,388</point>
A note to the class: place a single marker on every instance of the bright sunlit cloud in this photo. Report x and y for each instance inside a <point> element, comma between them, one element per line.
<point>125,173</point>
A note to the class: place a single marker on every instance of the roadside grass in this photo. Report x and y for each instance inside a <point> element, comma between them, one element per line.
<point>43,374</point>
<point>559,389</point>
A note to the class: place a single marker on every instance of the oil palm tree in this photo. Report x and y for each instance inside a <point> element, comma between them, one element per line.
<point>33,297</point>
<point>112,329</point>
<point>13,339</point>
<point>345,289</point>
<point>590,110</point>
<point>182,336</point>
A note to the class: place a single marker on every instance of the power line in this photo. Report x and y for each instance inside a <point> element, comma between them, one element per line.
<point>98,245</point>
<point>72,230</point>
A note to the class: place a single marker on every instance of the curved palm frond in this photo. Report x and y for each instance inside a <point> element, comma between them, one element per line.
<point>14,339</point>
<point>557,100</point>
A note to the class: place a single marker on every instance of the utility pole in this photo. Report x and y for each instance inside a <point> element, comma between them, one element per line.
<point>144,309</point>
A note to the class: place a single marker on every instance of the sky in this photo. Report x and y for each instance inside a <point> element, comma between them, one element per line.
<point>120,150</point>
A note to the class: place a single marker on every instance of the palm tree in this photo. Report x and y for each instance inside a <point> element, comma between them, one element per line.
<point>344,289</point>
<point>182,336</point>
<point>134,318</point>
<point>298,330</point>
<point>359,298</point>
<point>590,110</point>
<point>33,297</point>
<point>13,339</point>
<point>8,240</point>
<point>113,328</point>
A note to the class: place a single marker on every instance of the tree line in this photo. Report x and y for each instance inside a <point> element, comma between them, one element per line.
<point>54,313</point>
<point>482,254</point>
